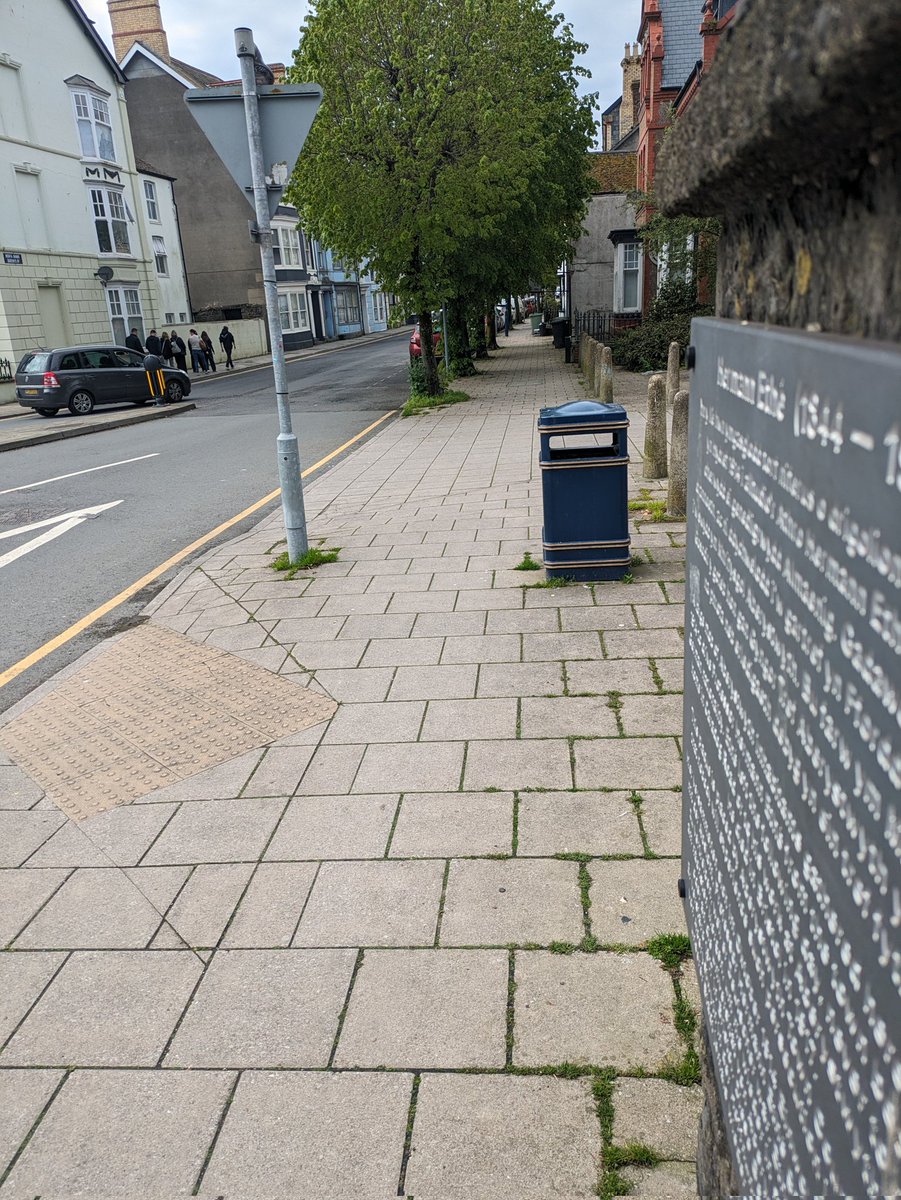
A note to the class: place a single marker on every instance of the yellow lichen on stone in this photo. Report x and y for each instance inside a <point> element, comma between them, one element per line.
<point>803,269</point>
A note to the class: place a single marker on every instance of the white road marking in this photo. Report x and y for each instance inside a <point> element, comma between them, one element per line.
<point>59,525</point>
<point>106,466</point>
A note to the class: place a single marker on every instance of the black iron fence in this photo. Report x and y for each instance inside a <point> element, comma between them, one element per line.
<point>594,322</point>
<point>7,371</point>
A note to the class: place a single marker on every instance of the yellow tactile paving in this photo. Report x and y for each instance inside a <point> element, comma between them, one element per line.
<point>152,709</point>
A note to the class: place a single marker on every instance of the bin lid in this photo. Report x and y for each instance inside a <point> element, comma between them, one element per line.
<point>581,412</point>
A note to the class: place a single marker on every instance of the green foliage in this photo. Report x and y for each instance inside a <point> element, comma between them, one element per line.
<point>528,563</point>
<point>422,402</point>
<point>633,1154</point>
<point>450,148</point>
<point>672,949</point>
<point>554,582</point>
<point>645,348</point>
<point>314,557</point>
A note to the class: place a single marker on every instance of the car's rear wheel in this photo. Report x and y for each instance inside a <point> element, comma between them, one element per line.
<point>81,403</point>
<point>47,412</point>
<point>174,391</point>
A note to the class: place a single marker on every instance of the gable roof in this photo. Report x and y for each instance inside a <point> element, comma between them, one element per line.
<point>83,81</point>
<point>87,26</point>
<point>198,77</point>
<point>138,48</point>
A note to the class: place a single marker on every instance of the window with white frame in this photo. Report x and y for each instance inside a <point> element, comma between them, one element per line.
<point>170,318</point>
<point>125,312</point>
<point>95,128</point>
<point>153,208</point>
<point>276,247</point>
<point>378,306</point>
<point>348,306</point>
<point>160,257</point>
<point>289,240</point>
<point>292,311</point>
<point>110,220</point>
<point>627,277</point>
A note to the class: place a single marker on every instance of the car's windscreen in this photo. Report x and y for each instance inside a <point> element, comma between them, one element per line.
<point>33,364</point>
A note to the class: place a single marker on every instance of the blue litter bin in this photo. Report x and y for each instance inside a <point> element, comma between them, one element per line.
<point>584,483</point>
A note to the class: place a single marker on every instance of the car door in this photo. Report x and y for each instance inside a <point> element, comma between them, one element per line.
<point>131,376</point>
<point>100,376</point>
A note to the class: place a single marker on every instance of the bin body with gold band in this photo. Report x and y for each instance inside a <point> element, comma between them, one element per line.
<point>584,461</point>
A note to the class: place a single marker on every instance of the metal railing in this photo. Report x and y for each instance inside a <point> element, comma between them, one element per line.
<point>7,371</point>
<point>594,322</point>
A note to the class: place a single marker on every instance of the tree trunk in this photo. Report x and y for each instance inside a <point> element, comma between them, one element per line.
<point>480,340</point>
<point>429,362</point>
<point>491,322</point>
<point>519,317</point>
<point>458,337</point>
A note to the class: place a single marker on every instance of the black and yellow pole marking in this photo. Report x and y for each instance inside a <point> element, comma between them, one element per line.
<point>161,381</point>
<point>150,384</point>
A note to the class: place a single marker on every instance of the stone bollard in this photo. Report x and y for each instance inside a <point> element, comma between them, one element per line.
<point>672,371</point>
<point>678,465</point>
<point>588,368</point>
<point>655,430</point>
<point>605,376</point>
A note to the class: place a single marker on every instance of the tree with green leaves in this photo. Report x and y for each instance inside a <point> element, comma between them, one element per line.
<point>449,151</point>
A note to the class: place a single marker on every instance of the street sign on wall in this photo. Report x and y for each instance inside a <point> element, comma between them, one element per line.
<point>287,112</point>
<point>792,751</point>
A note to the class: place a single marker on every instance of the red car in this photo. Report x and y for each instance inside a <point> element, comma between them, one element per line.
<point>416,344</point>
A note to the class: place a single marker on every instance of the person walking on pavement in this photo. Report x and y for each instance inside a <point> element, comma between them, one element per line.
<point>227,342</point>
<point>153,344</point>
<point>208,350</point>
<point>179,351</point>
<point>198,352</point>
<point>166,352</point>
<point>133,342</point>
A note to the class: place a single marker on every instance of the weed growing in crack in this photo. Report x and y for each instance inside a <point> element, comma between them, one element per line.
<point>528,563</point>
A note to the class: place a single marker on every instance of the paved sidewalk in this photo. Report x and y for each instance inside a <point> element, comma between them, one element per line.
<point>401,952</point>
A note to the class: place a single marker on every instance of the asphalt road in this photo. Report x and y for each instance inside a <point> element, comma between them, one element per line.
<point>190,473</point>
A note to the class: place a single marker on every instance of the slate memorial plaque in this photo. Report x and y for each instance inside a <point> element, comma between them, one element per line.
<point>792,775</point>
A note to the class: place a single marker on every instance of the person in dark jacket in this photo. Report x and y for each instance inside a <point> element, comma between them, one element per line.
<point>153,344</point>
<point>133,342</point>
<point>166,353</point>
<point>179,351</point>
<point>227,342</point>
<point>208,350</point>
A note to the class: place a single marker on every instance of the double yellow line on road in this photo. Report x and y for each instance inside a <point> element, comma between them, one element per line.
<point>90,618</point>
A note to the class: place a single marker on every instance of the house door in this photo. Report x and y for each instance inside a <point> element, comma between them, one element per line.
<point>53,318</point>
<point>317,315</point>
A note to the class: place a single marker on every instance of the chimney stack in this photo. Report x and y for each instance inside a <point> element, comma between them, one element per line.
<point>631,65</point>
<point>137,21</point>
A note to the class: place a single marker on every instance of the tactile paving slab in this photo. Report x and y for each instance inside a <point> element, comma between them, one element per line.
<point>153,709</point>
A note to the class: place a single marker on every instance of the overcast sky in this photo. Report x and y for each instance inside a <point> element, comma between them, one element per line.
<point>200,33</point>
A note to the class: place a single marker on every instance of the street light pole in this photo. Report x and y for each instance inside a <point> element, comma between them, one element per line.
<point>288,454</point>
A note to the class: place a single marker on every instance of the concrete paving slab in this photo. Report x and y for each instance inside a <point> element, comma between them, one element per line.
<point>450,624</point>
<point>514,901</point>
<point>644,643</point>
<point>427,1009</point>
<point>598,617</point>
<point>268,913</point>
<point>22,833</point>
<point>634,763</point>
<point>567,716</point>
<point>503,1137</point>
<point>660,616</point>
<point>216,831</point>
<point>356,685</point>
<point>451,824</point>
<point>264,1008</point>
<point>119,837</point>
<point>486,648</point>
<point>365,723</point>
<point>206,902</point>
<point>460,720</point>
<point>633,901</point>
<point>661,815</point>
<point>513,765</point>
<point>551,647</point>
<point>123,1133</point>
<point>402,652</point>
<point>411,767</point>
<point>280,771</point>
<point>223,782</point>
<point>311,1134</point>
<point>143,995</point>
<point>658,715</point>
<point>666,1181</point>
<point>96,908</point>
<point>17,790</point>
<point>320,827</point>
<point>578,822</point>
<point>671,672</point>
<point>372,904</point>
<point>23,1094</point>
<point>22,979</point>
<point>332,770</point>
<point>521,679</point>
<point>523,620</point>
<point>434,683</point>
<point>613,1010</point>
<point>657,1114</point>
<point>613,675</point>
<point>22,893</point>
